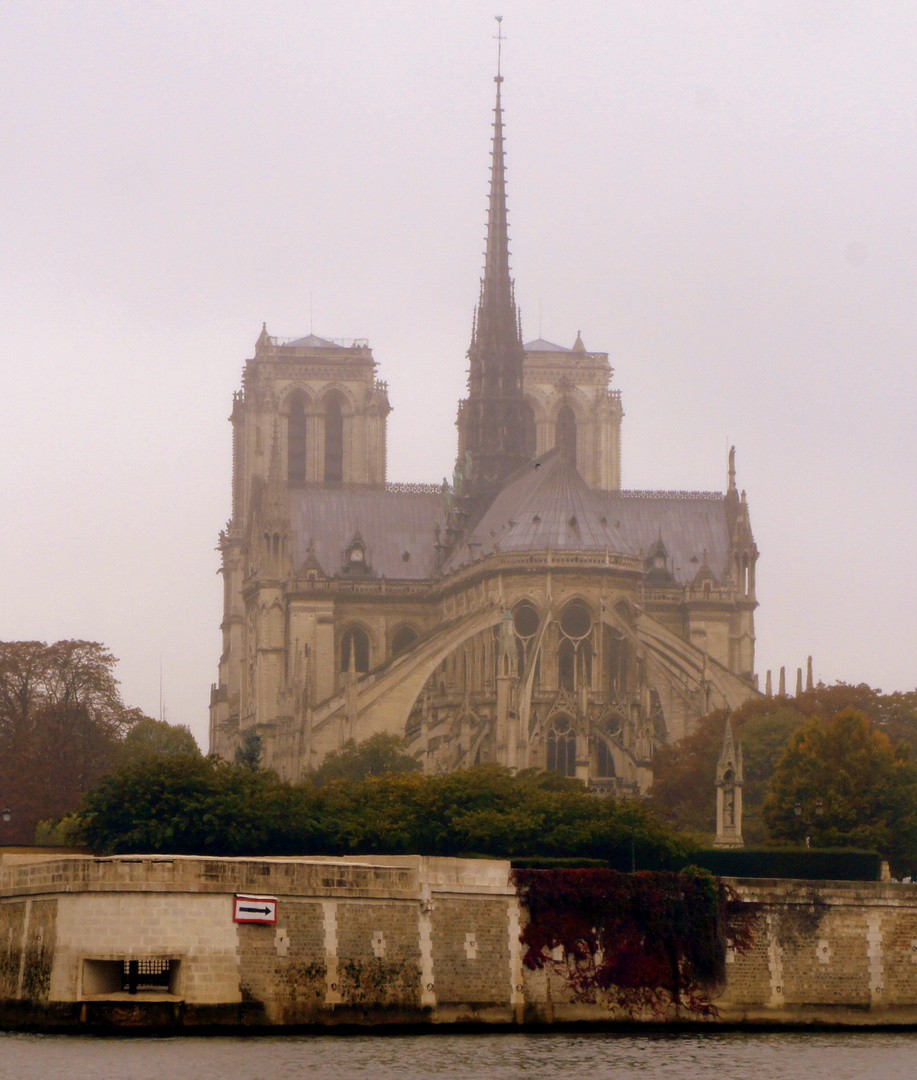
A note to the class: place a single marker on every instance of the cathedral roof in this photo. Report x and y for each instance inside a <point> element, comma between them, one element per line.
<point>546,504</point>
<point>398,523</point>
<point>570,516</point>
<point>392,524</point>
<point>690,524</point>
<point>540,345</point>
<point>313,341</point>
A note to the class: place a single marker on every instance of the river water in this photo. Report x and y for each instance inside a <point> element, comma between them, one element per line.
<point>715,1056</point>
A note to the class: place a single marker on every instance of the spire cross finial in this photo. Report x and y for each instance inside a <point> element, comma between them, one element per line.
<point>499,38</point>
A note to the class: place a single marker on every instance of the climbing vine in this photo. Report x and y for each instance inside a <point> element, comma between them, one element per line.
<point>650,941</point>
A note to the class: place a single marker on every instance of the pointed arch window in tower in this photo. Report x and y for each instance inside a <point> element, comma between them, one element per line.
<point>565,434</point>
<point>334,443</point>
<point>296,442</point>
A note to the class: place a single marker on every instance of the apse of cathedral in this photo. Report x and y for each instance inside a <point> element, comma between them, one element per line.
<point>530,613</point>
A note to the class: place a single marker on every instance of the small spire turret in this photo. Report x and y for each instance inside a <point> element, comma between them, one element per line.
<point>729,781</point>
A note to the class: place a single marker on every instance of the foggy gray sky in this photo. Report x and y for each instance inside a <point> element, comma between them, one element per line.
<point>721,195</point>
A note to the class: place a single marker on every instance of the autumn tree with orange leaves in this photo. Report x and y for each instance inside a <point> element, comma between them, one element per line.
<point>685,772</point>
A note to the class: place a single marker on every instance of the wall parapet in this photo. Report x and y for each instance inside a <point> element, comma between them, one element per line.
<point>394,940</point>
<point>394,877</point>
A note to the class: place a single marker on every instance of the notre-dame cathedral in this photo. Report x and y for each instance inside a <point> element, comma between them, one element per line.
<point>530,613</point>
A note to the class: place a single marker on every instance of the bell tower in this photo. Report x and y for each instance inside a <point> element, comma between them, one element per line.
<point>311,414</point>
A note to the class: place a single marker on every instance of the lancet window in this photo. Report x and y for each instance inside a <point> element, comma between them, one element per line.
<point>565,433</point>
<point>334,442</point>
<point>616,660</point>
<point>529,437</point>
<point>296,442</point>
<point>561,755</point>
<point>574,654</point>
<point>355,650</point>
<point>525,624</point>
<point>604,761</point>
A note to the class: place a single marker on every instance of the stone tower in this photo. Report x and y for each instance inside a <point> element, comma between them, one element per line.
<point>311,415</point>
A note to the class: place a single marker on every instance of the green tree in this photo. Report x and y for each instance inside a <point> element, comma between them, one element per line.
<point>184,804</point>
<point>488,811</point>
<point>842,783</point>
<point>380,755</point>
<point>685,772</point>
<point>249,753</point>
<point>147,737</point>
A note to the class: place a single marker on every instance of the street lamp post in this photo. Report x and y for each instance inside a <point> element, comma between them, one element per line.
<point>819,809</point>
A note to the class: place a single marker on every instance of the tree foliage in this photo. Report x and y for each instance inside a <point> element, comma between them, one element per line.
<point>685,772</point>
<point>249,753</point>
<point>184,804</point>
<point>155,738</point>
<point>380,755</point>
<point>207,806</point>
<point>61,721</point>
<point>841,782</point>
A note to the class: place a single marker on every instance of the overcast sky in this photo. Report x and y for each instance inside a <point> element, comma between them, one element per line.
<point>723,196</point>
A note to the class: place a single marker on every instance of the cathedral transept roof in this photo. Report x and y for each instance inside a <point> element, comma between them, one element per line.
<point>393,524</point>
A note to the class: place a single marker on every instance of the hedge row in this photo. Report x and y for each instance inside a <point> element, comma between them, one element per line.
<point>807,864</point>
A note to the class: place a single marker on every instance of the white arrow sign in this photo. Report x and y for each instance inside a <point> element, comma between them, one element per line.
<point>256,909</point>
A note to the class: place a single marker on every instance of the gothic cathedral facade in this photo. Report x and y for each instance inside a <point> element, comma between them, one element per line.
<point>532,613</point>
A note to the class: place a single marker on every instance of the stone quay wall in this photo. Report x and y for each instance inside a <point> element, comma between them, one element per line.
<point>368,941</point>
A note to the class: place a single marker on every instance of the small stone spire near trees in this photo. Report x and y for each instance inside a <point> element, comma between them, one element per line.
<point>781,690</point>
<point>809,684</point>
<point>768,685</point>
<point>729,781</point>
<point>798,682</point>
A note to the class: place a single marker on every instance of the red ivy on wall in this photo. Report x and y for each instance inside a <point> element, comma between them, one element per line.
<point>653,940</point>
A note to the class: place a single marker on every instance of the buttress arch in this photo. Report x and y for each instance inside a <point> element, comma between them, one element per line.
<point>383,699</point>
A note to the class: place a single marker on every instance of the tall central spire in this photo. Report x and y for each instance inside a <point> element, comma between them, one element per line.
<point>497,287</point>
<point>491,419</point>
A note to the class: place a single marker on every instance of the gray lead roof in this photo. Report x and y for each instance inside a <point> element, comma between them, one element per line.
<point>390,523</point>
<point>395,524</point>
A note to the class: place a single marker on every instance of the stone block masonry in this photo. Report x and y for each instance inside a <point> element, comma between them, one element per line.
<point>826,953</point>
<point>150,942</point>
